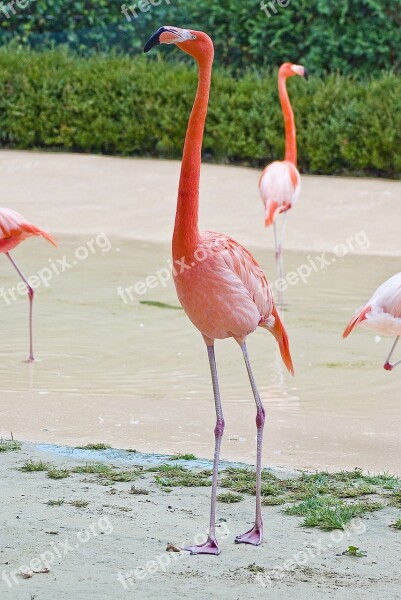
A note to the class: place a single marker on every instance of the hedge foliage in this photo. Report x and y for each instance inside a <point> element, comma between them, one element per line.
<point>358,37</point>
<point>138,107</point>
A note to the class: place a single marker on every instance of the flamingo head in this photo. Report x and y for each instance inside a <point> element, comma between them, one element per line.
<point>289,70</point>
<point>195,43</point>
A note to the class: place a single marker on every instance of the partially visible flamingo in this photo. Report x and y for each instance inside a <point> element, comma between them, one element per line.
<point>14,229</point>
<point>219,284</point>
<point>382,314</point>
<point>280,182</point>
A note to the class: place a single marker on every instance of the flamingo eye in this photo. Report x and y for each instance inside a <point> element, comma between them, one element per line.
<point>194,37</point>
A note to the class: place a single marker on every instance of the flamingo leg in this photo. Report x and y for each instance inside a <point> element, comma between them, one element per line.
<point>31,295</point>
<point>278,242</point>
<point>390,366</point>
<point>255,535</point>
<point>211,546</point>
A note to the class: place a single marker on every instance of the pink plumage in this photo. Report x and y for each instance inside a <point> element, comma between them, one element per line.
<point>382,313</point>
<point>280,186</point>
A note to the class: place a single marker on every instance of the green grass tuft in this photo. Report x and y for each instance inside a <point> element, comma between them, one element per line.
<point>9,445</point>
<point>58,502</point>
<point>54,473</point>
<point>229,497</point>
<point>31,466</point>
<point>180,456</point>
<point>99,446</point>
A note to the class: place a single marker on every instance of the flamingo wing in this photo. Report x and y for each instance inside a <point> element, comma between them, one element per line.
<point>242,265</point>
<point>14,226</point>
<point>280,186</point>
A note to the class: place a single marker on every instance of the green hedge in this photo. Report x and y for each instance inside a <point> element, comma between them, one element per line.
<point>358,37</point>
<point>139,107</point>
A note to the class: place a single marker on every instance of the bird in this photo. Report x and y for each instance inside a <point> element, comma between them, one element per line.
<point>219,284</point>
<point>280,182</point>
<point>14,229</point>
<point>382,313</point>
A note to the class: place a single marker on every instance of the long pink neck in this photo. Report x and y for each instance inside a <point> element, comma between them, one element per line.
<point>186,232</point>
<point>289,122</point>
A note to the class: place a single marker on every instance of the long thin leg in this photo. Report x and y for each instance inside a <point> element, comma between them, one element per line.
<point>211,546</point>
<point>390,366</point>
<point>31,295</point>
<point>255,535</point>
<point>278,243</point>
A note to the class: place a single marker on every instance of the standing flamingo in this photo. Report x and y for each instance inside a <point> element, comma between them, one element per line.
<point>14,229</point>
<point>219,284</point>
<point>280,182</point>
<point>382,314</point>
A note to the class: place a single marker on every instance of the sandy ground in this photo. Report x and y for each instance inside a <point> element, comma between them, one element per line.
<point>116,546</point>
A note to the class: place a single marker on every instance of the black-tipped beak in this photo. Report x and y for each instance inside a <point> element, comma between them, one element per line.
<point>306,74</point>
<point>154,40</point>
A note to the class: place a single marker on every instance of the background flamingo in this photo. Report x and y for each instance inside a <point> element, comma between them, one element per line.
<point>14,229</point>
<point>382,314</point>
<point>280,182</point>
<point>222,289</point>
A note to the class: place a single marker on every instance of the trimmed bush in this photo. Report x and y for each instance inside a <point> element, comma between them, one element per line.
<point>140,107</point>
<point>361,37</point>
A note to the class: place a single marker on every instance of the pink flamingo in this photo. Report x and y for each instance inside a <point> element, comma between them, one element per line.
<point>382,314</point>
<point>280,182</point>
<point>14,229</point>
<point>219,284</point>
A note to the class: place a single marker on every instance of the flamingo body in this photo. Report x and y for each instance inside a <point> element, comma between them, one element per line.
<point>14,229</point>
<point>219,284</point>
<point>227,294</point>
<point>280,186</point>
<point>382,314</point>
<point>383,311</point>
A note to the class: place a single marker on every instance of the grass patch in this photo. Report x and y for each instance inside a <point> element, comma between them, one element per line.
<point>9,445</point>
<point>397,525</point>
<point>180,456</point>
<point>95,469</point>
<point>54,473</point>
<point>58,502</point>
<point>229,497</point>
<point>79,503</point>
<point>330,512</point>
<point>31,466</point>
<point>170,476</point>
<point>94,447</point>
<point>273,501</point>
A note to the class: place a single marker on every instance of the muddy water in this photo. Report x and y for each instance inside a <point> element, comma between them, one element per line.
<point>136,376</point>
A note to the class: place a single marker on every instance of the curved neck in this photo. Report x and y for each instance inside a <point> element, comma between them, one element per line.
<point>186,232</point>
<point>289,122</point>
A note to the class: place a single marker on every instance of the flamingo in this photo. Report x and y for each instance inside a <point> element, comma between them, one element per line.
<point>382,314</point>
<point>219,284</point>
<point>14,229</point>
<point>280,182</point>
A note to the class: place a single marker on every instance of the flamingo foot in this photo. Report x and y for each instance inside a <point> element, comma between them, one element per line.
<point>209,547</point>
<point>254,536</point>
<point>388,366</point>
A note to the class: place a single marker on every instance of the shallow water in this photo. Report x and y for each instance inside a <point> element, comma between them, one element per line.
<point>136,376</point>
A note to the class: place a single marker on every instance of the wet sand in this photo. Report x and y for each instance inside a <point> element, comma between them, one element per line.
<point>115,547</point>
<point>136,376</point>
